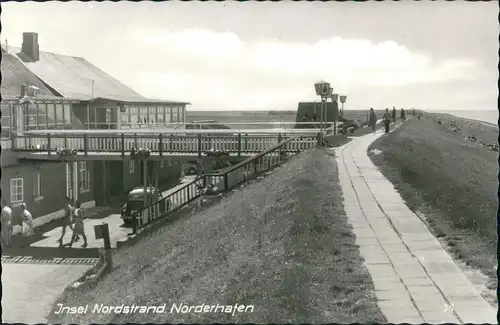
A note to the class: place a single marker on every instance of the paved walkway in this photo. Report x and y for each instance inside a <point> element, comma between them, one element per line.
<point>415,279</point>
<point>34,282</point>
<point>30,289</point>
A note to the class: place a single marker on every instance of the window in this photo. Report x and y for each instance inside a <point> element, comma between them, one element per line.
<point>162,163</point>
<point>124,118</point>
<point>175,114</point>
<point>134,116</point>
<point>59,116</point>
<point>51,116</point>
<point>16,190</point>
<point>67,114</point>
<point>83,176</point>
<point>161,114</point>
<point>6,120</point>
<point>37,191</point>
<point>131,167</point>
<point>32,116</point>
<point>143,115</point>
<point>181,114</point>
<point>152,114</point>
<point>108,116</point>
<point>42,116</point>
<point>168,114</point>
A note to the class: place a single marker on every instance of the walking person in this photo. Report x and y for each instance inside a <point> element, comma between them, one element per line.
<point>68,222</point>
<point>387,120</point>
<point>372,119</point>
<point>78,229</point>
<point>6,225</point>
<point>394,114</point>
<point>305,119</point>
<point>27,221</point>
<point>403,114</point>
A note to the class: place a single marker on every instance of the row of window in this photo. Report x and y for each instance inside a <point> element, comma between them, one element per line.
<point>17,184</point>
<point>36,116</point>
<point>151,115</point>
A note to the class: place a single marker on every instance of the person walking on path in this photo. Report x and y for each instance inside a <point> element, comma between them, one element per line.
<point>394,114</point>
<point>68,222</point>
<point>372,119</point>
<point>27,221</point>
<point>387,120</point>
<point>78,228</point>
<point>6,225</point>
<point>403,114</point>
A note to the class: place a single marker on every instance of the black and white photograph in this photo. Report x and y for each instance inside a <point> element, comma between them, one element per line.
<point>298,162</point>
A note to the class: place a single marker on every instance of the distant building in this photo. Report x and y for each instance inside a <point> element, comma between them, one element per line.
<point>314,108</point>
<point>71,94</point>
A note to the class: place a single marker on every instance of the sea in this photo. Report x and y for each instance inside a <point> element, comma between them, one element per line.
<point>289,116</point>
<point>483,116</point>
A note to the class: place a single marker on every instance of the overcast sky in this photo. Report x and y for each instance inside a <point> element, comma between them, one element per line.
<point>265,55</point>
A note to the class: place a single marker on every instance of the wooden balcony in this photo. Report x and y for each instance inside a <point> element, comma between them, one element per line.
<point>94,146</point>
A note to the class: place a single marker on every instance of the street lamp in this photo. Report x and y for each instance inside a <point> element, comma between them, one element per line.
<point>335,99</point>
<point>323,90</point>
<point>343,99</point>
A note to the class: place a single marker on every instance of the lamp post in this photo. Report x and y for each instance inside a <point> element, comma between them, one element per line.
<point>322,89</point>
<point>335,99</point>
<point>325,113</point>
<point>343,99</point>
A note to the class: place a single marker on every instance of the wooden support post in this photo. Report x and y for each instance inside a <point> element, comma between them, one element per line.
<point>48,144</point>
<point>239,144</point>
<point>160,144</point>
<point>85,144</point>
<point>157,174</point>
<point>199,145</point>
<point>102,232</point>
<point>122,136</point>
<point>145,181</point>
<point>226,182</point>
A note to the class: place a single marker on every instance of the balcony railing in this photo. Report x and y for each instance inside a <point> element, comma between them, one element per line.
<point>223,181</point>
<point>161,144</point>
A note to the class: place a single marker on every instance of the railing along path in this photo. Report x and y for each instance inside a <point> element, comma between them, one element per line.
<point>220,182</point>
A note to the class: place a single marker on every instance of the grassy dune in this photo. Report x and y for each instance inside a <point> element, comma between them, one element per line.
<point>280,243</point>
<point>451,180</point>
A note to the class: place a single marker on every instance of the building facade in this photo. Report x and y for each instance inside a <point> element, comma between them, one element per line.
<point>61,103</point>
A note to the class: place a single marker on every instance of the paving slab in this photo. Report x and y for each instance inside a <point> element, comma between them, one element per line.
<point>419,267</point>
<point>36,286</point>
<point>439,317</point>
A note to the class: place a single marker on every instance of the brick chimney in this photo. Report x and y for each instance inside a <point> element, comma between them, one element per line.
<point>30,46</point>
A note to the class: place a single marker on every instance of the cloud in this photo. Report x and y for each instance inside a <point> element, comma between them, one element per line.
<point>196,61</point>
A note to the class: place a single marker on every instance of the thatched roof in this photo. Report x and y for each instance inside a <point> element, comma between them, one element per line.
<point>75,77</point>
<point>15,74</point>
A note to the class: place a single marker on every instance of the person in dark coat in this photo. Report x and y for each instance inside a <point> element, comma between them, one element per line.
<point>403,114</point>
<point>304,120</point>
<point>387,120</point>
<point>394,114</point>
<point>372,119</point>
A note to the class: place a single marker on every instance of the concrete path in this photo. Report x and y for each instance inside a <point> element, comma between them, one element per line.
<point>28,281</point>
<point>28,290</point>
<point>415,279</point>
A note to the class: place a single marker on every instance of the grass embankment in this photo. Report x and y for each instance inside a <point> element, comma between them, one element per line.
<point>451,180</point>
<point>281,244</point>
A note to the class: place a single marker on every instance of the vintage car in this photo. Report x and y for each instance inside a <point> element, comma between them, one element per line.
<point>135,202</point>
